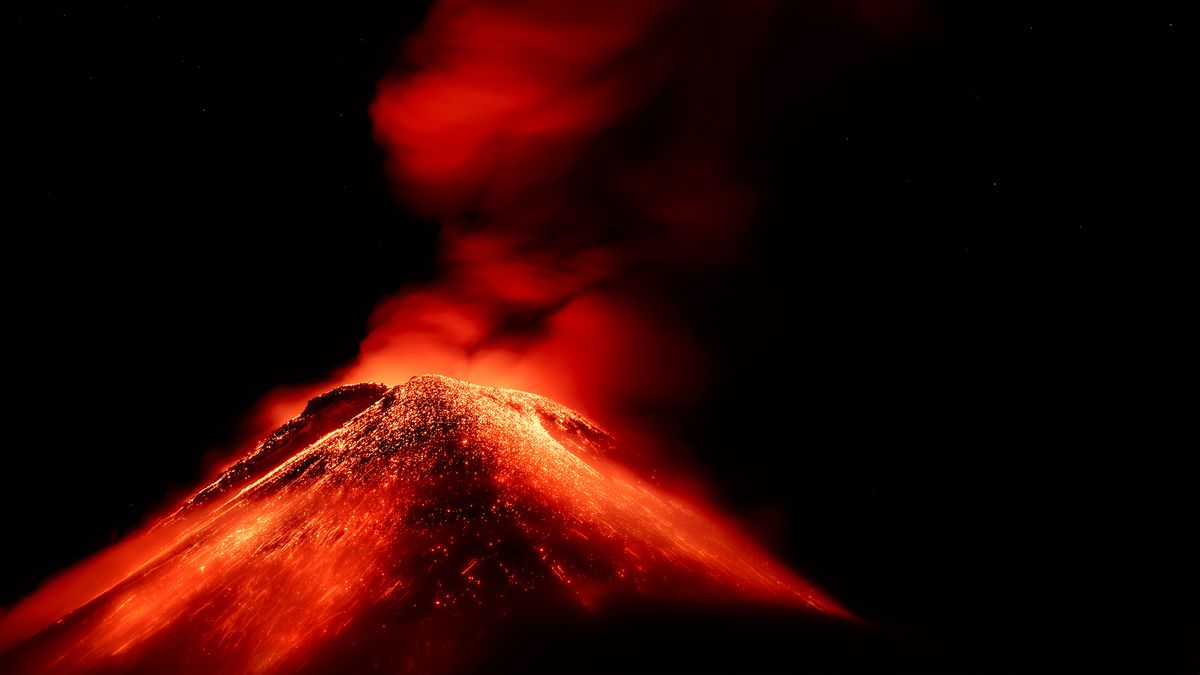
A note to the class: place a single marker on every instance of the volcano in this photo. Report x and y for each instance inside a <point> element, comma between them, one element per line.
<point>409,528</point>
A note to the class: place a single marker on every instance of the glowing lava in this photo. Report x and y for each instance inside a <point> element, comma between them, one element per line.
<point>421,513</point>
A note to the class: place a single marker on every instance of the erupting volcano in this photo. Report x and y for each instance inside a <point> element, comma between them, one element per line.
<point>409,518</point>
<point>587,165</point>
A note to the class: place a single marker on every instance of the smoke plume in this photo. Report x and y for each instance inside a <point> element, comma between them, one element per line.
<point>581,159</point>
<point>585,161</point>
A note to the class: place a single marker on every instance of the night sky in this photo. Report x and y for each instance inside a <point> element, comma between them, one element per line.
<point>945,377</point>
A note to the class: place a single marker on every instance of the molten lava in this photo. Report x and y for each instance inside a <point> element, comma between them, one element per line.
<point>585,160</point>
<point>412,517</point>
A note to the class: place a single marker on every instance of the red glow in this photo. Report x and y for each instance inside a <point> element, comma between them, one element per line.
<point>504,129</point>
<point>577,154</point>
<point>435,499</point>
<point>531,131</point>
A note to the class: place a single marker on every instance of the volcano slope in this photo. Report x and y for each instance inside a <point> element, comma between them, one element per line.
<point>411,528</point>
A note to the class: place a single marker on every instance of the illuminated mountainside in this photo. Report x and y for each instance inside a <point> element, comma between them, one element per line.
<point>409,518</point>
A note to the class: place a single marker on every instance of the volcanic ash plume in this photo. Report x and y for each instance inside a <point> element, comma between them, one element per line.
<point>409,518</point>
<point>578,158</point>
<point>582,159</point>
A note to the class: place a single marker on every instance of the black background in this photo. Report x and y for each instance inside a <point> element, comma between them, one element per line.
<point>946,376</point>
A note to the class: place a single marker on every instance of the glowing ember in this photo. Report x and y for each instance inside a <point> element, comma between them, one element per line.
<point>419,513</point>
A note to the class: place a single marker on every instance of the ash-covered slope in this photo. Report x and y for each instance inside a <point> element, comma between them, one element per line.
<point>392,528</point>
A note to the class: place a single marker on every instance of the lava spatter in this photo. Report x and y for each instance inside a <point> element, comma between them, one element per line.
<point>410,511</point>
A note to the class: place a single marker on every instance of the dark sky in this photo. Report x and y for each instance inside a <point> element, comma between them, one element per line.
<point>945,377</point>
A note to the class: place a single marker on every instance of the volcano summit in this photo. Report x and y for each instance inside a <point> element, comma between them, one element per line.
<point>412,519</point>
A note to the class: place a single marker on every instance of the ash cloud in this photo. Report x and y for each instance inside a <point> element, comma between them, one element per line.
<point>581,158</point>
<point>585,160</point>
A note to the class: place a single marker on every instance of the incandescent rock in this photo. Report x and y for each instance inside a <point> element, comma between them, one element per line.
<point>393,528</point>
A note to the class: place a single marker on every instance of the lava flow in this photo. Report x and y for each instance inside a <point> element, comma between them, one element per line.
<point>410,517</point>
<point>584,162</point>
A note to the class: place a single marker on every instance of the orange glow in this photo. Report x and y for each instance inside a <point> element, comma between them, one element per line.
<point>580,157</point>
<point>78,585</point>
<point>508,127</point>
<point>434,497</point>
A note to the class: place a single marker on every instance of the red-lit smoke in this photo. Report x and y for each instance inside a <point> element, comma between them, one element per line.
<point>579,157</point>
<point>584,161</point>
